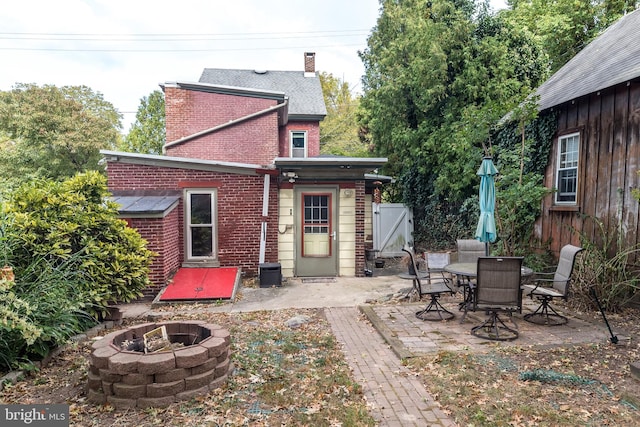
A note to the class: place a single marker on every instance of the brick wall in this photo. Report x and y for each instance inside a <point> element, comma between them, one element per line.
<point>252,141</point>
<point>360,220</point>
<point>239,214</point>
<point>313,137</point>
<point>163,238</point>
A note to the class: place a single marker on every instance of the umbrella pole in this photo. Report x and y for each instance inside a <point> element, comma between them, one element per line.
<point>486,248</point>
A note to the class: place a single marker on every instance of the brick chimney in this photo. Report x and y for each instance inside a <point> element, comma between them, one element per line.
<point>309,64</point>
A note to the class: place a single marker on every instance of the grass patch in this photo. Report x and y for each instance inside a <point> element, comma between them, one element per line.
<point>515,386</point>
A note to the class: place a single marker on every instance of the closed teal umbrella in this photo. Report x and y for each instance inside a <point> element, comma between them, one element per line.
<point>486,230</point>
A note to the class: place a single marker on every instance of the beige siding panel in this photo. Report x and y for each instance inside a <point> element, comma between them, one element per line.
<point>286,233</point>
<point>347,232</point>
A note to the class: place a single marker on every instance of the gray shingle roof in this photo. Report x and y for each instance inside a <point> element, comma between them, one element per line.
<point>145,205</point>
<point>610,59</point>
<point>305,93</point>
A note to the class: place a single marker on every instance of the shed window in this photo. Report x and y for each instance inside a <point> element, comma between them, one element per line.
<point>298,144</point>
<point>567,169</point>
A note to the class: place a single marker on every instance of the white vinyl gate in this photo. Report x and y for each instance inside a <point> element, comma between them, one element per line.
<point>392,228</point>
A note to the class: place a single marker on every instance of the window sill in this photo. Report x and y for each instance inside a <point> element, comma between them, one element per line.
<point>564,208</point>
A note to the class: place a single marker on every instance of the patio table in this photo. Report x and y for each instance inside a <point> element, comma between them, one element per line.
<point>470,269</point>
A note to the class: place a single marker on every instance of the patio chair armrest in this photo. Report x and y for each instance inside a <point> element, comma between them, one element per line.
<point>541,283</point>
<point>542,274</point>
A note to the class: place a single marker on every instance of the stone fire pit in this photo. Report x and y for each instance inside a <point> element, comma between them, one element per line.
<point>129,379</point>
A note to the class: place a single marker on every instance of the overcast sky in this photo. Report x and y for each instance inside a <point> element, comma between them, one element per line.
<point>125,48</point>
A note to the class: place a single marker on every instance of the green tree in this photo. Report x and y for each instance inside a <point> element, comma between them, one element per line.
<point>72,225</point>
<point>438,76</point>
<point>339,129</point>
<point>53,133</point>
<point>147,135</point>
<point>563,27</point>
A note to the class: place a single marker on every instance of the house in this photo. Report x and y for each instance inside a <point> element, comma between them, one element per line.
<point>242,183</point>
<point>594,160</point>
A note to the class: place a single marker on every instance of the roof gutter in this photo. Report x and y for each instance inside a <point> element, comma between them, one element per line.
<point>226,125</point>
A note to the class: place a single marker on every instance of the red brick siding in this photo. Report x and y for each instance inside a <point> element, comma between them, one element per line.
<point>313,137</point>
<point>239,212</point>
<point>360,213</point>
<point>163,238</point>
<point>252,141</point>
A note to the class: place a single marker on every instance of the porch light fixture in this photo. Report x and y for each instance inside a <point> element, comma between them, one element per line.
<point>291,175</point>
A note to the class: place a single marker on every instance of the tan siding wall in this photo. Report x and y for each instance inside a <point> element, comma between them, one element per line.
<point>347,232</point>
<point>286,232</point>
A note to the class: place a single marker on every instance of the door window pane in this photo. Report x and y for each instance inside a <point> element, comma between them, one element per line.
<point>316,209</point>
<point>200,222</point>
<point>316,228</point>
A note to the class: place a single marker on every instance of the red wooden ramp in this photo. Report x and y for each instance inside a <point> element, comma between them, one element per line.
<point>196,284</point>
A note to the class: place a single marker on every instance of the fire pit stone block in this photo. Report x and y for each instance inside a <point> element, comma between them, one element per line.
<point>165,389</point>
<point>155,363</point>
<point>124,362</point>
<point>172,375</point>
<point>193,355</point>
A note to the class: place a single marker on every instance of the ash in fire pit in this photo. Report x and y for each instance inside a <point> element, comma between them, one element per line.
<point>154,365</point>
<point>157,340</point>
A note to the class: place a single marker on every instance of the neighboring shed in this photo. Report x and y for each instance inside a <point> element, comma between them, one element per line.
<point>594,160</point>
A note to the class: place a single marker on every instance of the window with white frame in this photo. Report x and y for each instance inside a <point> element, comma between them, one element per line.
<point>298,143</point>
<point>567,169</point>
<point>200,223</point>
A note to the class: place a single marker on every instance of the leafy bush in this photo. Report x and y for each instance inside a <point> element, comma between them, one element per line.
<point>518,201</point>
<point>439,220</point>
<point>41,310</point>
<point>72,225</point>
<point>610,268</point>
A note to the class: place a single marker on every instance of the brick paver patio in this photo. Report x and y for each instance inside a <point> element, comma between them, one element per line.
<point>410,336</point>
<point>376,342</point>
<point>396,399</point>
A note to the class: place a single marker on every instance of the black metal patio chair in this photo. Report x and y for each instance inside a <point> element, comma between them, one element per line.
<point>434,288</point>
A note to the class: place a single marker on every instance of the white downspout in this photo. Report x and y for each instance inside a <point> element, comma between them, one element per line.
<point>265,214</point>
